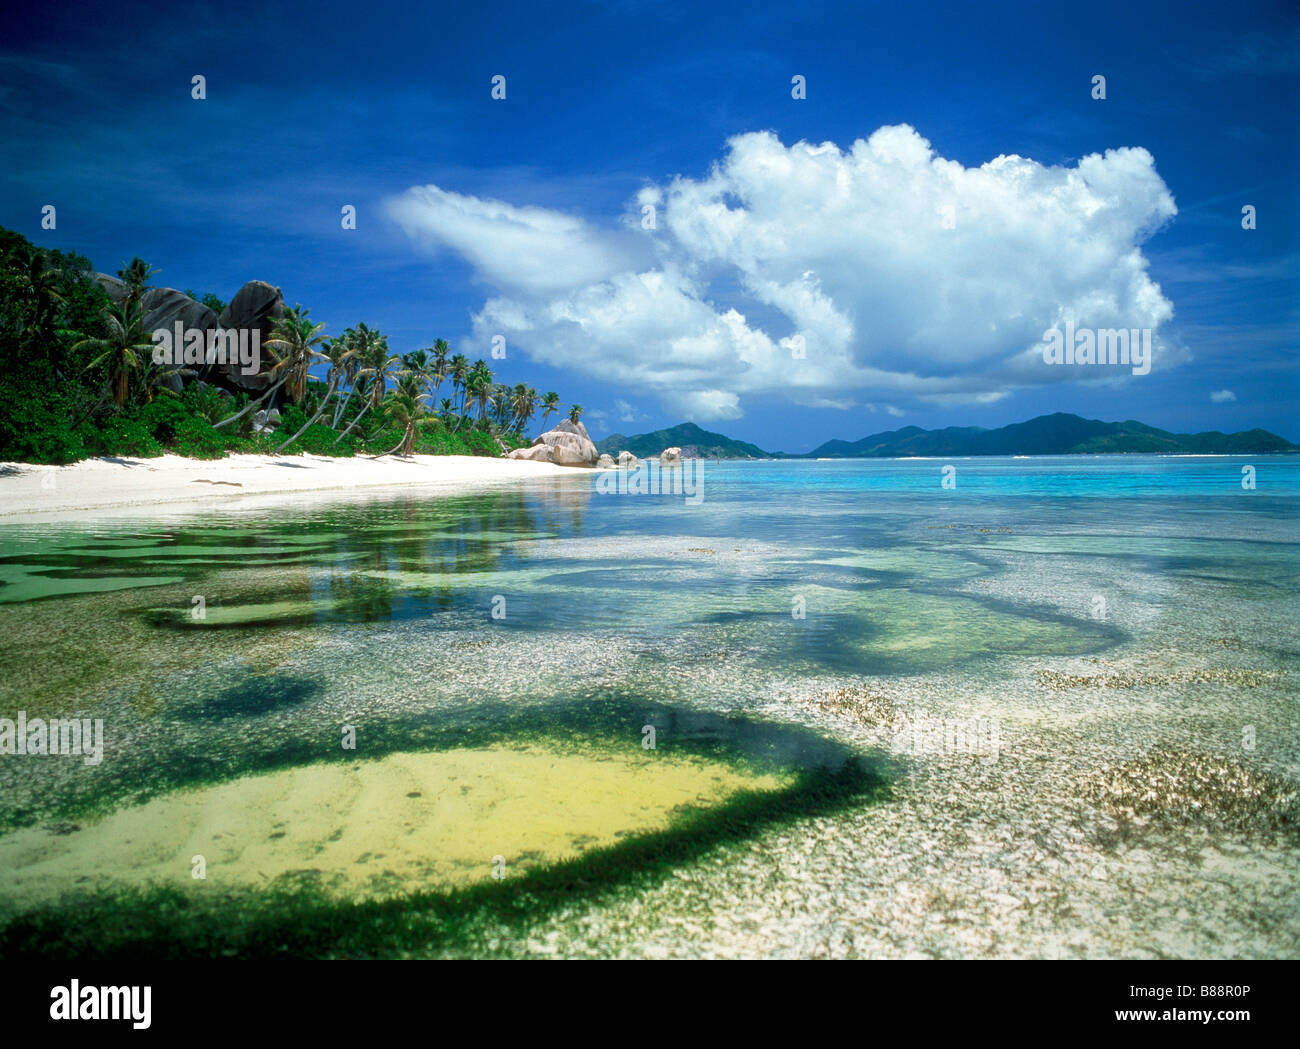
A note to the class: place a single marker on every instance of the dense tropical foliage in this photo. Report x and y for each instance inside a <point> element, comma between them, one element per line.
<point>77,379</point>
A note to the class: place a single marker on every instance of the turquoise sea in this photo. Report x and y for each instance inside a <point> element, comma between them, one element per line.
<point>1099,609</point>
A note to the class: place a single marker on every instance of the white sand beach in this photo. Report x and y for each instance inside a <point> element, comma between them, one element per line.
<point>46,493</point>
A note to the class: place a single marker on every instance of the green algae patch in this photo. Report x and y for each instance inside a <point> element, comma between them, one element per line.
<point>401,824</point>
<point>32,586</point>
<point>413,850</point>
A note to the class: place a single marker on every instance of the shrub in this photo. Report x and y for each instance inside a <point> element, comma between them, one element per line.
<point>123,435</point>
<point>480,443</point>
<point>439,442</point>
<point>318,439</point>
<point>212,403</point>
<point>34,426</point>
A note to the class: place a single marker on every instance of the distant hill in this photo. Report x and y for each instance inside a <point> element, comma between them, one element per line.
<point>1059,434</point>
<point>694,443</point>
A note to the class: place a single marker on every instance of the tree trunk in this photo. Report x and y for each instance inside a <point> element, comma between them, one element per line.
<point>342,408</point>
<point>394,447</point>
<point>248,407</point>
<point>354,422</point>
<point>323,402</point>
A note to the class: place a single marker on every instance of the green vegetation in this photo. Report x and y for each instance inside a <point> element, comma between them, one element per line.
<point>77,379</point>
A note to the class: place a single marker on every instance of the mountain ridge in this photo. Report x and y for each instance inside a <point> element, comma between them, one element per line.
<point>1060,433</point>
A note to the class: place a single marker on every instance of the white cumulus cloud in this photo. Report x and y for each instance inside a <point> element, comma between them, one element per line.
<point>813,272</point>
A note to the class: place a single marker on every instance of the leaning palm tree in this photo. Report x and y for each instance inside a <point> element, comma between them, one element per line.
<point>377,363</point>
<point>344,360</point>
<point>523,402</point>
<point>255,403</point>
<point>293,342</point>
<point>551,402</point>
<point>404,406</point>
<point>500,405</point>
<point>123,350</point>
<point>335,377</point>
<point>363,387</point>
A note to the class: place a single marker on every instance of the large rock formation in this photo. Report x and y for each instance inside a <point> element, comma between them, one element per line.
<point>670,457</point>
<point>116,289</point>
<point>256,306</point>
<point>569,444</point>
<point>606,462</point>
<point>163,307</point>
<point>626,460</point>
<point>538,453</point>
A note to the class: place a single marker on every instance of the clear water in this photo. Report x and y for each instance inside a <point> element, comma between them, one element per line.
<point>379,612</point>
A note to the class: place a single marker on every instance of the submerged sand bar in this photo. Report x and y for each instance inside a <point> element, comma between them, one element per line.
<point>30,492</point>
<point>403,823</point>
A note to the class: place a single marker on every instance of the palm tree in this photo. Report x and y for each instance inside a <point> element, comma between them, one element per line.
<point>123,350</point>
<point>478,387</point>
<point>340,356</point>
<point>523,403</point>
<point>362,387</point>
<point>458,366</point>
<point>294,341</point>
<point>41,285</point>
<point>135,275</point>
<point>405,405</point>
<point>575,413</point>
<point>378,363</point>
<point>324,402</point>
<point>439,370</point>
<point>418,366</point>
<point>345,360</point>
<point>500,405</point>
<point>551,402</point>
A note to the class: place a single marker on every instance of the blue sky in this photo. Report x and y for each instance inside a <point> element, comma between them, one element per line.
<point>522,216</point>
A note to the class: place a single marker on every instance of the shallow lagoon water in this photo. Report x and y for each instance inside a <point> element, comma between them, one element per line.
<point>620,611</point>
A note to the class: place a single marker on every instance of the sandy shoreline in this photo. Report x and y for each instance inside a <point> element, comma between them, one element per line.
<point>46,493</point>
